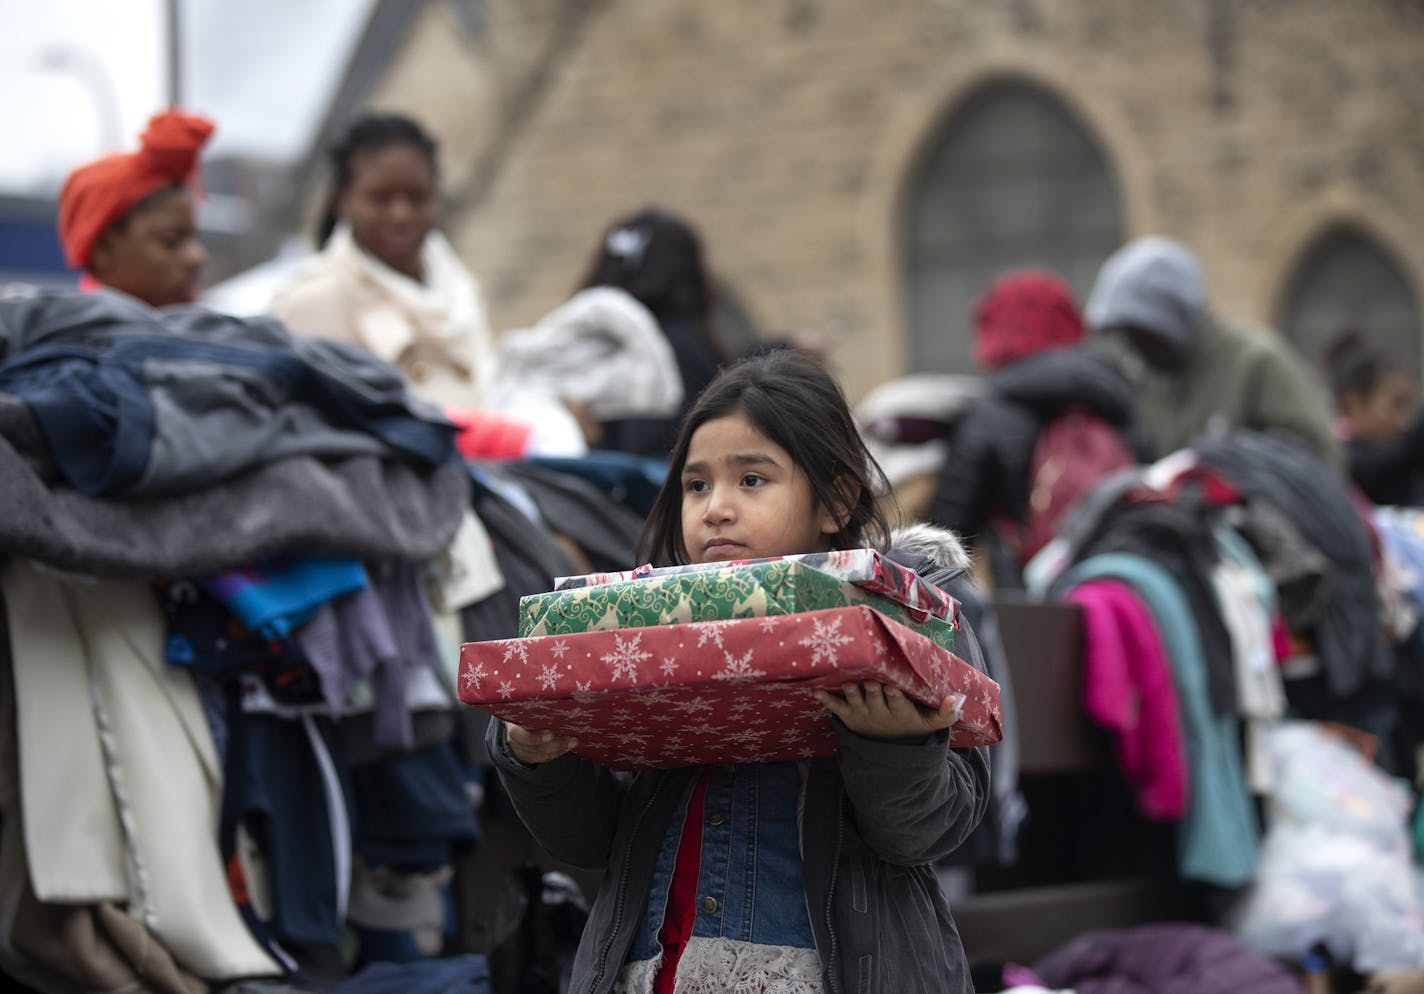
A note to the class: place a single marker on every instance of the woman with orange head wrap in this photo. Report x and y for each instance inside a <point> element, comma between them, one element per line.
<point>128,219</point>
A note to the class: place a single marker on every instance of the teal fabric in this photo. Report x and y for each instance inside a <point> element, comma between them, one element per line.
<point>1219,840</point>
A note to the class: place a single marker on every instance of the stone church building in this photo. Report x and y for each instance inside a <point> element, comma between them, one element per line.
<point>863,170</point>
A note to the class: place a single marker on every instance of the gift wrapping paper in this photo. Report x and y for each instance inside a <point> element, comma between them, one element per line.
<point>750,590</point>
<point>865,568</point>
<point>735,690</point>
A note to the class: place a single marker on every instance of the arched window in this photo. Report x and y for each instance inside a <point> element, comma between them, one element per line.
<point>1345,279</point>
<point>1012,180</point>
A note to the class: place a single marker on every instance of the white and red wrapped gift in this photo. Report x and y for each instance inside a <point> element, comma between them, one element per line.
<point>733,689</point>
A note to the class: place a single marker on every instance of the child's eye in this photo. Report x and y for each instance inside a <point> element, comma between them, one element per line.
<point>753,480</point>
<point>695,486</point>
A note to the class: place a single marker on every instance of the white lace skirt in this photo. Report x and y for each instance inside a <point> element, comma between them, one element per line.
<point>725,966</point>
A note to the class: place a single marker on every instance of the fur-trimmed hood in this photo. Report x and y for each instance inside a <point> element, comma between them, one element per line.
<point>935,553</point>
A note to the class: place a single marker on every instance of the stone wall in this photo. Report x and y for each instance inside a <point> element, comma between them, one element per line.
<point>786,129</point>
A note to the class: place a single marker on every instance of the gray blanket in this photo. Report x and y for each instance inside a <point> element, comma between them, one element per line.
<point>142,400</point>
<point>363,507</point>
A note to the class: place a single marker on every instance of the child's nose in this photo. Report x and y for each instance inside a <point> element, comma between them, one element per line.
<point>719,505</point>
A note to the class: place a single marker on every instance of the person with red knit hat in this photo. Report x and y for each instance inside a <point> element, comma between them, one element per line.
<point>1029,338</point>
<point>1025,312</point>
<point>127,219</point>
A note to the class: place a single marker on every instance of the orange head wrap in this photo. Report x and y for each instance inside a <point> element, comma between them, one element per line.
<point>99,193</point>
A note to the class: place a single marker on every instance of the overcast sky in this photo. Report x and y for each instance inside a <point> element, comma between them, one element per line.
<point>78,77</point>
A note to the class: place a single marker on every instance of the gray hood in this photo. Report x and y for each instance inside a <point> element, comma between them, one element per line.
<point>1151,283</point>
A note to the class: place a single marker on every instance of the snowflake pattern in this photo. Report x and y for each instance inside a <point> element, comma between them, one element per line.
<point>738,667</point>
<point>626,656</point>
<point>473,676</point>
<point>825,642</point>
<point>535,717</point>
<point>709,631</point>
<point>635,711</point>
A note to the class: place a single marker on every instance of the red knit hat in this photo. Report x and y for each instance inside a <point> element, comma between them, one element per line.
<point>1025,311</point>
<point>100,192</point>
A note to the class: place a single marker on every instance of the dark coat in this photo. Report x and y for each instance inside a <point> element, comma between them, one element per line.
<point>875,819</point>
<point>1277,469</point>
<point>1390,473</point>
<point>986,472</point>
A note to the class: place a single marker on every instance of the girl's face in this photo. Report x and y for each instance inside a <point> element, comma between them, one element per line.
<point>390,204</point>
<point>744,498</point>
<point>1381,413</point>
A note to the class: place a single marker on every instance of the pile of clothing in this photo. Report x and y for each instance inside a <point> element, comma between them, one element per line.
<point>236,567</point>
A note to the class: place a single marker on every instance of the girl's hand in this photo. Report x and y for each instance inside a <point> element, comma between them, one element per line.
<point>879,712</point>
<point>535,747</point>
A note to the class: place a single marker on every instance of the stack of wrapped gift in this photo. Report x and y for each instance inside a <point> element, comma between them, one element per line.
<point>683,665</point>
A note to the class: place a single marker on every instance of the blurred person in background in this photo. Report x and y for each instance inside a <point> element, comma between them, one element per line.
<point>386,279</point>
<point>1379,422</point>
<point>657,258</point>
<point>127,219</point>
<point>999,481</point>
<point>1195,373</point>
<point>384,276</point>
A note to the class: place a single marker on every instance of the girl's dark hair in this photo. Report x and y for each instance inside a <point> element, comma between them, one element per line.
<point>792,400</point>
<point>657,257</point>
<point>368,133</point>
<point>1354,363</point>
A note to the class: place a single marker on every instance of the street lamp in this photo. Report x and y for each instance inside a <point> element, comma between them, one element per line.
<point>91,71</point>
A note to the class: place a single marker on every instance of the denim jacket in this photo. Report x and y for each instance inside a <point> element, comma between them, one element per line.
<point>749,863</point>
<point>875,819</point>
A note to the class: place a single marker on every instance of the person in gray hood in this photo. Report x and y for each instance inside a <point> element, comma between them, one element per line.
<point>1195,373</point>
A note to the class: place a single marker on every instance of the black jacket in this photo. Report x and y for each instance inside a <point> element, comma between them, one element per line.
<point>1391,473</point>
<point>987,469</point>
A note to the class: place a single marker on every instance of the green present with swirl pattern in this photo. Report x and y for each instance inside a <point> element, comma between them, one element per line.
<point>680,595</point>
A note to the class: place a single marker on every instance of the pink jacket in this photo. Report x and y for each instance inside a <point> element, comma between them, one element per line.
<point>1128,688</point>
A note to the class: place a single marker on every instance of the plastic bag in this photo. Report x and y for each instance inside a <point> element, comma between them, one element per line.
<point>1336,866</point>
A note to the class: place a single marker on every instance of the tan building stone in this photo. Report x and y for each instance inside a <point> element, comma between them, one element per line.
<point>790,131</point>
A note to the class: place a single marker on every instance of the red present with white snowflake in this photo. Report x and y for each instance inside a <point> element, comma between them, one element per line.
<point>717,691</point>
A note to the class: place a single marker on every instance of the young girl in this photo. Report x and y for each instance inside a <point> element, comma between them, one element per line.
<point>790,877</point>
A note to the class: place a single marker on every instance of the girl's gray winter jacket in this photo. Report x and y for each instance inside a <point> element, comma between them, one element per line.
<point>876,818</point>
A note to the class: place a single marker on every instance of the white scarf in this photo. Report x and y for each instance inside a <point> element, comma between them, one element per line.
<point>445,314</point>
